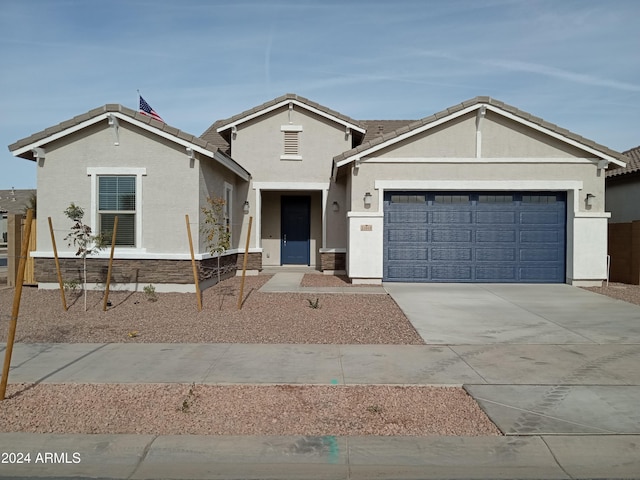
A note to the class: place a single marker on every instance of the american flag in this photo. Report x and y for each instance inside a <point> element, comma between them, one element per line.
<point>147,110</point>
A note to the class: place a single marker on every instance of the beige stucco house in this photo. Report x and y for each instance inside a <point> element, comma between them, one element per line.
<point>481,192</point>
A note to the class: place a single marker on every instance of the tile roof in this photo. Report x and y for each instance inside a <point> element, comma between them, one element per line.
<point>633,164</point>
<point>283,98</point>
<point>15,201</point>
<point>212,136</point>
<point>377,140</point>
<point>377,128</point>
<point>111,107</point>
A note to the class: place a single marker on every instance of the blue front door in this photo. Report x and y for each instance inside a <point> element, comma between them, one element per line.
<point>294,240</point>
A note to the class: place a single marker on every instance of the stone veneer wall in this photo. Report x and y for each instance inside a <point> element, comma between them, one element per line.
<point>143,271</point>
<point>254,262</point>
<point>333,261</point>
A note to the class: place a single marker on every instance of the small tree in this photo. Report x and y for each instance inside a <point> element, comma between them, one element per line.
<point>215,228</point>
<point>82,238</point>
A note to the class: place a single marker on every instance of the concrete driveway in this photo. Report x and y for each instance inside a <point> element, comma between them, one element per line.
<point>480,314</point>
<point>553,359</point>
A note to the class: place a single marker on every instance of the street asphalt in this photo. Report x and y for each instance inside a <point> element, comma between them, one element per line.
<point>555,368</point>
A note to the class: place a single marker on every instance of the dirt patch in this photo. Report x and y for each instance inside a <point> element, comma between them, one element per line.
<point>174,318</point>
<point>620,291</point>
<point>171,409</point>
<point>316,280</point>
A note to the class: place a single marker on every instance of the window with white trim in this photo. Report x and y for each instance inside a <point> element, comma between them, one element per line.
<point>291,150</point>
<point>228,208</point>
<point>117,197</point>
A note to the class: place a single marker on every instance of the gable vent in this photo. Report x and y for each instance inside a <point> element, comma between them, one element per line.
<point>291,143</point>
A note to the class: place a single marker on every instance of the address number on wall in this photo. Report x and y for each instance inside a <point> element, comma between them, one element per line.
<point>366,228</point>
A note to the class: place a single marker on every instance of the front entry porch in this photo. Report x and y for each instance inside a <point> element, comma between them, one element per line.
<point>291,228</point>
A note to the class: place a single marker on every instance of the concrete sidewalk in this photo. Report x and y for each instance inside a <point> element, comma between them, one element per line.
<point>325,458</point>
<point>547,438</point>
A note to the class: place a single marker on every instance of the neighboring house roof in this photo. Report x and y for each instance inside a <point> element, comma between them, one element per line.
<point>377,128</point>
<point>15,201</point>
<point>31,147</point>
<point>382,141</point>
<point>284,100</point>
<point>633,164</point>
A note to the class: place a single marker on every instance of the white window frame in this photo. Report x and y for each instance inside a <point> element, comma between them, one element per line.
<point>228,209</point>
<point>94,173</point>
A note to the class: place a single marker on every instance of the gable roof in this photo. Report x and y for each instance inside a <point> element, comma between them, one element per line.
<point>26,147</point>
<point>282,101</point>
<point>497,106</point>
<point>633,164</point>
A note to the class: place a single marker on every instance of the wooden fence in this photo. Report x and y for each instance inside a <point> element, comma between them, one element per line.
<point>624,250</point>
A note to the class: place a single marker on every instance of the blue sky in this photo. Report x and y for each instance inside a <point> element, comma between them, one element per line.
<point>572,62</point>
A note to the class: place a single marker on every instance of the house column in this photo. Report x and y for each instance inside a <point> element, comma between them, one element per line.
<point>325,193</point>
<point>258,225</point>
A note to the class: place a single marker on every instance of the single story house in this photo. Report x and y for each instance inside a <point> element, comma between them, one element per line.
<point>480,192</point>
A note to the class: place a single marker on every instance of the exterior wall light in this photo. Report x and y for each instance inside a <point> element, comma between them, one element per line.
<point>589,199</point>
<point>335,206</point>
<point>367,200</point>
<point>245,207</point>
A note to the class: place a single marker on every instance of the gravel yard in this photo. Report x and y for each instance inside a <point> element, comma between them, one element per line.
<point>620,291</point>
<point>170,409</point>
<point>174,318</point>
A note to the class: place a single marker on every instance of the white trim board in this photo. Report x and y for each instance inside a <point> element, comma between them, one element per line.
<point>290,185</point>
<point>483,185</point>
<point>484,160</point>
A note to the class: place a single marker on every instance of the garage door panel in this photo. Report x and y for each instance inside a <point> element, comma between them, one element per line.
<point>454,254</point>
<point>451,273</point>
<point>495,254</point>
<point>407,235</point>
<point>550,254</point>
<point>406,273</point>
<point>540,236</point>
<point>487,273</point>
<point>408,254</point>
<point>496,236</point>
<point>475,237</point>
<point>407,217</point>
<point>451,217</point>
<point>539,218</point>
<point>537,274</point>
<point>451,235</point>
<point>495,218</point>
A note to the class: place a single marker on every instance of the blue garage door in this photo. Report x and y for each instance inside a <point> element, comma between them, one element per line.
<point>509,237</point>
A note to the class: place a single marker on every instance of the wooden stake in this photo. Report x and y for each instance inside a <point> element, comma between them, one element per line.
<point>193,265</point>
<point>113,246</point>
<point>244,264</point>
<point>16,305</point>
<point>55,256</point>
